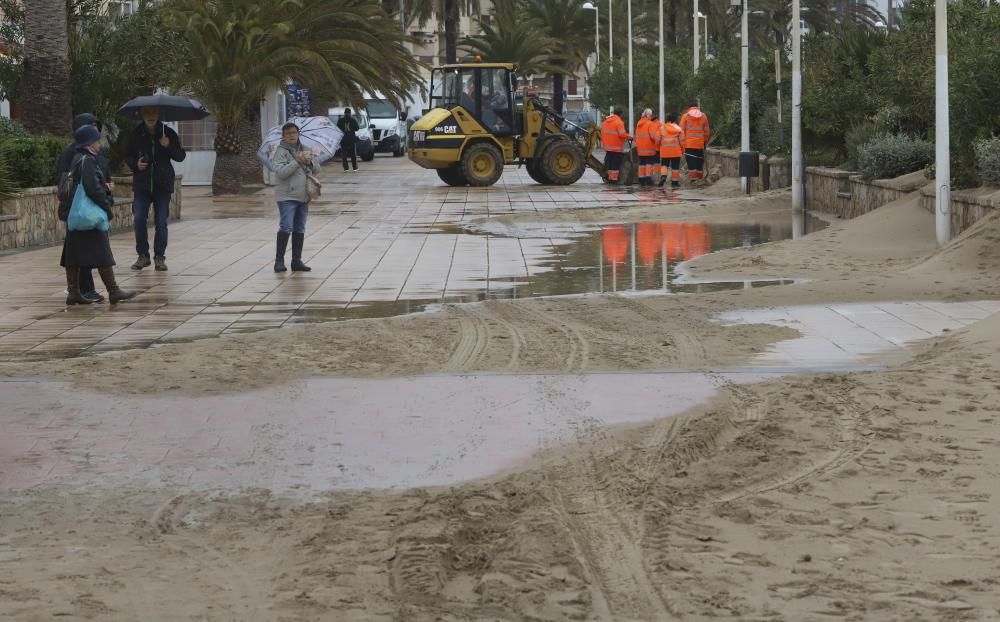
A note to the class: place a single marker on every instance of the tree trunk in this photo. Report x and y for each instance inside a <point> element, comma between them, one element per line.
<point>226,174</point>
<point>249,134</point>
<point>557,91</point>
<point>45,100</point>
<point>451,31</point>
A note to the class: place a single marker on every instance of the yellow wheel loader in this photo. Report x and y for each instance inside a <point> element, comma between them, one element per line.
<point>476,126</point>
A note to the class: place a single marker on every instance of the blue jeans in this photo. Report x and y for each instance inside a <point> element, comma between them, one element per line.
<point>140,213</point>
<point>292,216</point>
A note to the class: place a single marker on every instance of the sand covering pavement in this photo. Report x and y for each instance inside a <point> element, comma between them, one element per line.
<point>861,496</point>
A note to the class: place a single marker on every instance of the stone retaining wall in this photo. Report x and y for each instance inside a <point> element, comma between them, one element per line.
<point>728,161</point>
<point>31,219</point>
<point>967,206</point>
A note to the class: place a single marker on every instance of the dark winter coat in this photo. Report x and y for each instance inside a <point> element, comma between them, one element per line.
<point>158,178</point>
<point>69,158</point>
<point>89,249</point>
<point>349,126</point>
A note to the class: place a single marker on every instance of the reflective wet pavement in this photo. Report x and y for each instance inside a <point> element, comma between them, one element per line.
<point>387,241</point>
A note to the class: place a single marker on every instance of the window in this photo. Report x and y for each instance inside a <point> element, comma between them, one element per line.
<point>198,135</point>
<point>571,87</point>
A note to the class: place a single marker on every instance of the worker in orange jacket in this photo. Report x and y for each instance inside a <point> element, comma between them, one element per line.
<point>671,150</point>
<point>696,136</point>
<point>647,144</point>
<point>613,137</point>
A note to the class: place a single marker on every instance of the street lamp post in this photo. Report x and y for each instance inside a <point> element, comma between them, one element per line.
<point>631,91</point>
<point>590,6</point>
<point>942,138</point>
<point>796,105</point>
<point>662,94</point>
<point>744,83</point>
<point>611,32</point>
<point>697,52</point>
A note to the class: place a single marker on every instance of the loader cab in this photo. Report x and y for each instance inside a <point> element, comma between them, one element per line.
<point>486,91</point>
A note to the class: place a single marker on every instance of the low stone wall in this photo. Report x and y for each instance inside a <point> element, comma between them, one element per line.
<point>728,161</point>
<point>848,195</point>
<point>31,219</point>
<point>967,206</point>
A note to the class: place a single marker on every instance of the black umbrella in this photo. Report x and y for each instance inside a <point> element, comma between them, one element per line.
<point>172,108</point>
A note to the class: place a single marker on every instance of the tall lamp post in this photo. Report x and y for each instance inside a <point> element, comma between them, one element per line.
<point>697,52</point>
<point>631,90</point>
<point>942,130</point>
<point>662,94</point>
<point>590,6</point>
<point>796,105</point>
<point>745,84</point>
<point>611,32</point>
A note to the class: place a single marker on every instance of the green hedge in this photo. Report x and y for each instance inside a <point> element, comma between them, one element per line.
<point>988,160</point>
<point>887,156</point>
<point>31,160</point>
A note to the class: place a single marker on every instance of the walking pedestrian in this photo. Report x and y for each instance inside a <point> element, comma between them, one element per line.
<point>87,287</point>
<point>152,147</point>
<point>671,150</point>
<point>613,136</point>
<point>696,135</point>
<point>86,250</point>
<point>646,144</point>
<point>349,144</point>
<point>293,164</point>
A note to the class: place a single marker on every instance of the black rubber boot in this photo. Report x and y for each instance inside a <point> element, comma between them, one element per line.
<point>298,239</point>
<point>279,257</point>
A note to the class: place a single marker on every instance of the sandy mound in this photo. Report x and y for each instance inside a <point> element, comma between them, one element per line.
<point>892,236</point>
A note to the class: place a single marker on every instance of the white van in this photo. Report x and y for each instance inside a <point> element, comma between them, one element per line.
<point>365,147</point>
<point>388,126</point>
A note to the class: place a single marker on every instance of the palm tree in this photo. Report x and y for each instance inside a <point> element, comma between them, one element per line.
<point>509,37</point>
<point>243,48</point>
<point>568,27</point>
<point>45,89</point>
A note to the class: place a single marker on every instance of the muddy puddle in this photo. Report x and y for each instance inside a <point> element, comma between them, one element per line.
<point>494,262</point>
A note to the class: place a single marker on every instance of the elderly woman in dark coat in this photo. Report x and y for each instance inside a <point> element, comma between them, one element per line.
<point>90,249</point>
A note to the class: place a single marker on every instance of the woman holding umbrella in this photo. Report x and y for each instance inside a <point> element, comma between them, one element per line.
<point>292,164</point>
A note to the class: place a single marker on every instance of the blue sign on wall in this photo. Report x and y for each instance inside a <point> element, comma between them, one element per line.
<point>298,103</point>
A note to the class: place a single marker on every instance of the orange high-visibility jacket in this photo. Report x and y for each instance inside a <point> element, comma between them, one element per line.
<point>646,143</point>
<point>613,134</point>
<point>696,130</point>
<point>671,141</point>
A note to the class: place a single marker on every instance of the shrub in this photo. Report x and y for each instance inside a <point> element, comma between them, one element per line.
<point>988,160</point>
<point>11,129</point>
<point>32,160</point>
<point>8,187</point>
<point>889,156</point>
<point>856,137</point>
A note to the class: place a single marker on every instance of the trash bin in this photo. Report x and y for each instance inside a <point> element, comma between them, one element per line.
<point>749,164</point>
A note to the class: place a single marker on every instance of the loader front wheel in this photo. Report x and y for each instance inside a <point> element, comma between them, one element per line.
<point>452,176</point>
<point>535,171</point>
<point>563,162</point>
<point>482,164</point>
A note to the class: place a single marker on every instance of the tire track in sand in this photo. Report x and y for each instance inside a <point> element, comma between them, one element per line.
<point>473,339</point>
<point>578,355</point>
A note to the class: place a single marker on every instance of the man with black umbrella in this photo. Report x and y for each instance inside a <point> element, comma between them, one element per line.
<point>152,147</point>
<point>65,162</point>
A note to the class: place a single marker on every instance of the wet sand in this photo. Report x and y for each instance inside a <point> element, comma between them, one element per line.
<point>860,495</point>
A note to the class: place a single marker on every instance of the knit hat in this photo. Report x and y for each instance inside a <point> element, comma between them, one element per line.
<point>85,118</point>
<point>86,135</point>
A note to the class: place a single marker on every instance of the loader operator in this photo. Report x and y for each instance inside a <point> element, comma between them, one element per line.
<point>696,135</point>
<point>613,136</point>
